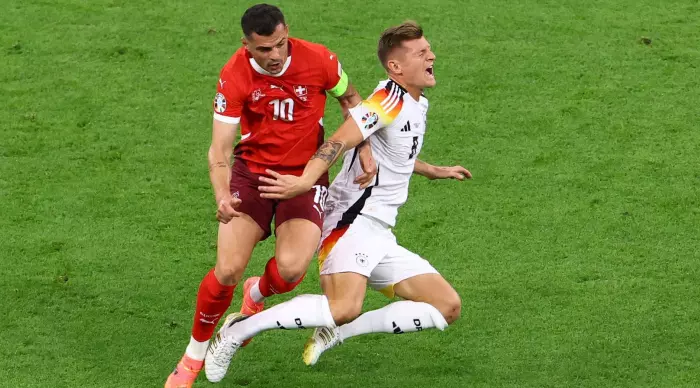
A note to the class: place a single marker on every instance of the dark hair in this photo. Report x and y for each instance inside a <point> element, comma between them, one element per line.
<point>261,19</point>
<point>393,37</point>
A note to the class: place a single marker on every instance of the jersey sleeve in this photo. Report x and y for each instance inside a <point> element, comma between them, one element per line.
<point>336,80</point>
<point>228,102</point>
<point>378,111</point>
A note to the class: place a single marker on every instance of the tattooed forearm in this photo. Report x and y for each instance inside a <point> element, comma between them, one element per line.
<point>218,165</point>
<point>329,151</point>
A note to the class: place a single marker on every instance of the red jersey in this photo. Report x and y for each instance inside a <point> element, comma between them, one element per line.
<point>280,115</point>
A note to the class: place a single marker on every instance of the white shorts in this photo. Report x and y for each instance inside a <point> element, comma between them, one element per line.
<point>368,247</point>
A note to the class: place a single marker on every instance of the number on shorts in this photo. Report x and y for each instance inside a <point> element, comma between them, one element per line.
<point>320,197</point>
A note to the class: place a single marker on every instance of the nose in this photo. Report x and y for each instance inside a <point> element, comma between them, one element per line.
<point>275,54</point>
<point>431,55</point>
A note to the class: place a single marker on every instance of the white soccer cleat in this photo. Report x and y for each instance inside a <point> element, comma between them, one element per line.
<point>221,350</point>
<point>321,340</point>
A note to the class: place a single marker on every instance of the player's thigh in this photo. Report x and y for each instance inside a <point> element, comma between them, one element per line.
<point>235,244</point>
<point>308,206</point>
<point>433,289</point>
<point>298,224</point>
<point>297,240</point>
<point>237,239</point>
<point>404,273</point>
<point>356,248</point>
<point>244,185</point>
<point>346,294</point>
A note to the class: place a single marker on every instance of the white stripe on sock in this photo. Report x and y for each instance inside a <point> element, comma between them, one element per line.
<point>197,350</point>
<point>255,293</point>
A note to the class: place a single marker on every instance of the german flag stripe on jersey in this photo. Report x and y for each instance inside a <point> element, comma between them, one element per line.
<point>328,244</point>
<point>386,102</point>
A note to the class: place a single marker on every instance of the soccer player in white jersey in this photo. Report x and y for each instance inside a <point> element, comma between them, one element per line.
<point>358,247</point>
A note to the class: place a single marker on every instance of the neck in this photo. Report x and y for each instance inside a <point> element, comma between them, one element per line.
<point>412,91</point>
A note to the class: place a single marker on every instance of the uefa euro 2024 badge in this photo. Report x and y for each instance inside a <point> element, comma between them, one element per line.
<point>370,119</point>
<point>219,103</point>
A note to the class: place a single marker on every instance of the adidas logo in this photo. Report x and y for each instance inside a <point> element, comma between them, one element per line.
<point>325,335</point>
<point>407,127</point>
<point>397,329</point>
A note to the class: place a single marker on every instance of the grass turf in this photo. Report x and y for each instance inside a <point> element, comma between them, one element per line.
<point>575,248</point>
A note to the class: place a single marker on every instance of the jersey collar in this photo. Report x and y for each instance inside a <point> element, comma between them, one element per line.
<point>262,71</point>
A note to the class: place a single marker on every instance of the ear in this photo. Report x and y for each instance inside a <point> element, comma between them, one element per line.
<point>394,67</point>
<point>244,42</point>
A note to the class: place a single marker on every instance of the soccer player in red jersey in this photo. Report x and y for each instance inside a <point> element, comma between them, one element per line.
<point>274,89</point>
<point>359,248</point>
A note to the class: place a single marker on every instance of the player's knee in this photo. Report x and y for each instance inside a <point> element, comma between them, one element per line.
<point>279,282</point>
<point>451,308</point>
<point>230,271</point>
<point>292,275</point>
<point>345,310</point>
<point>291,268</point>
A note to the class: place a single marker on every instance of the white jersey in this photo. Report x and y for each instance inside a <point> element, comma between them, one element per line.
<point>395,124</point>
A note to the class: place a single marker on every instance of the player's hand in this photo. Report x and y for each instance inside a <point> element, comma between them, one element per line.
<point>368,164</point>
<point>453,172</point>
<point>282,186</point>
<point>227,209</point>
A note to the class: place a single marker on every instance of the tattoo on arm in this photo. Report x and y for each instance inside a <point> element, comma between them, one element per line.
<point>218,165</point>
<point>329,151</point>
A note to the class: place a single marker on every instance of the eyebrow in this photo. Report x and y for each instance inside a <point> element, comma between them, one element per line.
<point>273,45</point>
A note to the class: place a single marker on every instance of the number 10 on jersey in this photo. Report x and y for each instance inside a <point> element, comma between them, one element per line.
<point>283,109</point>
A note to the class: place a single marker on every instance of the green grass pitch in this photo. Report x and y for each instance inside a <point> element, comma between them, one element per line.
<point>575,247</point>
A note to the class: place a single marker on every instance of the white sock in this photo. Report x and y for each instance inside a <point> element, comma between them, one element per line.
<point>197,350</point>
<point>398,317</point>
<point>255,293</point>
<point>301,312</point>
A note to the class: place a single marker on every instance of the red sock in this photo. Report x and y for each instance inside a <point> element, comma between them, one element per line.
<point>213,299</point>
<point>272,283</point>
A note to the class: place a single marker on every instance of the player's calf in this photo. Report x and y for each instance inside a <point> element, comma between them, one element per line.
<point>345,309</point>
<point>399,317</point>
<point>346,294</point>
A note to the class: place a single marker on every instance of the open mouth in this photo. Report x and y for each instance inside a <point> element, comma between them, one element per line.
<point>429,71</point>
<point>274,66</point>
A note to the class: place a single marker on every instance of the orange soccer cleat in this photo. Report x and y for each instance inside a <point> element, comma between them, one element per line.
<point>185,373</point>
